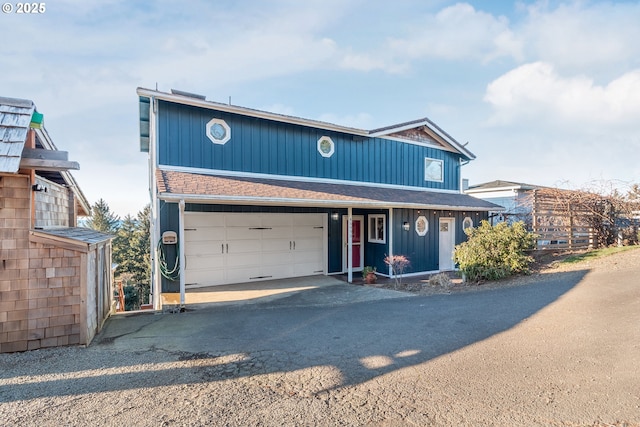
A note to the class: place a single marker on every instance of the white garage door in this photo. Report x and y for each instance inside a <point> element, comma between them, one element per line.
<point>225,248</point>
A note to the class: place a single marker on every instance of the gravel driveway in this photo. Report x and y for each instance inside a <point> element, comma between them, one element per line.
<point>560,349</point>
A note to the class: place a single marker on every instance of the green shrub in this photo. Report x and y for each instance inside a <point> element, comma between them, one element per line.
<point>494,252</point>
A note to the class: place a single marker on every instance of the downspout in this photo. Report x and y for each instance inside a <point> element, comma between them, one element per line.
<point>181,254</point>
<point>156,279</point>
<point>350,245</point>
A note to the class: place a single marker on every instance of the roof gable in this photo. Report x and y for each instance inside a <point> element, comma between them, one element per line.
<point>16,116</point>
<point>418,135</point>
<point>427,131</point>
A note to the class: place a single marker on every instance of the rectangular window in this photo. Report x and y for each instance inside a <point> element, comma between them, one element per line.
<point>433,170</point>
<point>377,229</point>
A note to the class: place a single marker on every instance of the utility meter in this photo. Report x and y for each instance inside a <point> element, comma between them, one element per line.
<point>169,238</point>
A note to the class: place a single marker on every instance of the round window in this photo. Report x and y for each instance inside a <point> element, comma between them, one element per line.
<point>218,131</point>
<point>325,146</point>
<point>422,226</point>
<point>467,223</point>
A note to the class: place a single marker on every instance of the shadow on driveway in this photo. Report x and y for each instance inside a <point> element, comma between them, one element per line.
<point>357,341</point>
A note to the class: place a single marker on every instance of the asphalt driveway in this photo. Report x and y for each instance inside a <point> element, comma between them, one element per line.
<point>564,350</point>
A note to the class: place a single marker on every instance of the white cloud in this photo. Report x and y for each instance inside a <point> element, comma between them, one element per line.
<point>537,91</point>
<point>368,62</point>
<point>582,34</point>
<point>459,32</point>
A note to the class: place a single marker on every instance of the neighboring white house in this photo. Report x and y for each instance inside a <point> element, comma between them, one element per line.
<point>514,197</point>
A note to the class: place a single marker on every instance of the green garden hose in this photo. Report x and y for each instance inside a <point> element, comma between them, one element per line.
<point>172,274</point>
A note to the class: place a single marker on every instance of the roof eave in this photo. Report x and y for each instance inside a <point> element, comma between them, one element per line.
<point>262,201</point>
<point>197,102</point>
<point>82,201</point>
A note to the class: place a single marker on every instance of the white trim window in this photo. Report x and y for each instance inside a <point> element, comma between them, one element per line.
<point>433,170</point>
<point>326,147</point>
<point>218,131</point>
<point>422,226</point>
<point>377,229</point>
<point>467,223</point>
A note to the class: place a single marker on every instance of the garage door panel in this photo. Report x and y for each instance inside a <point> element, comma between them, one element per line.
<point>230,248</point>
<point>305,244</point>
<point>204,248</point>
<point>239,275</point>
<point>305,256</point>
<point>307,269</point>
<point>243,220</point>
<point>204,277</point>
<point>308,219</point>
<point>205,233</point>
<point>244,260</point>
<point>276,220</point>
<point>199,262</point>
<point>278,271</point>
<point>276,245</point>
<point>206,219</point>
<point>243,233</point>
<point>277,233</point>
<point>308,232</point>
<point>277,258</point>
<point>244,247</point>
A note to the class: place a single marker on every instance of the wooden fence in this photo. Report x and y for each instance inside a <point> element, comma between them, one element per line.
<point>566,219</point>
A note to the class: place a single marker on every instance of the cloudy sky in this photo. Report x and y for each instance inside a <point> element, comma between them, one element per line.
<point>545,92</point>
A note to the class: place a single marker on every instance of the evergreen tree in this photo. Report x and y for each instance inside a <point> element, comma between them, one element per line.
<point>131,251</point>
<point>123,247</point>
<point>102,219</point>
<point>142,245</point>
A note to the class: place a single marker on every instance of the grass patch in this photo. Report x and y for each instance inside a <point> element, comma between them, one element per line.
<point>597,253</point>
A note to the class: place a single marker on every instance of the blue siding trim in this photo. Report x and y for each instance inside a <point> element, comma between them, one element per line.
<point>423,251</point>
<point>263,146</point>
<point>169,220</point>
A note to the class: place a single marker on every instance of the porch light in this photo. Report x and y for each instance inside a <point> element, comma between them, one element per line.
<point>335,216</point>
<point>405,226</point>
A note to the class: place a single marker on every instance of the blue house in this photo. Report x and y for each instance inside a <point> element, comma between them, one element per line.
<point>242,195</point>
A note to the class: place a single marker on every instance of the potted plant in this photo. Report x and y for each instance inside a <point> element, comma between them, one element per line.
<point>369,274</point>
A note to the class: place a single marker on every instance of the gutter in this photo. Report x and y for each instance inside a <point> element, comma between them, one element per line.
<point>239,200</point>
<point>227,108</point>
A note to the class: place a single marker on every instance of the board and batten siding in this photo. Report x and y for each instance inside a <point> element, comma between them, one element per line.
<point>268,147</point>
<point>423,251</point>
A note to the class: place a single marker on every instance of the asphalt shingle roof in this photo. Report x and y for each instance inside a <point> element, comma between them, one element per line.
<point>211,188</point>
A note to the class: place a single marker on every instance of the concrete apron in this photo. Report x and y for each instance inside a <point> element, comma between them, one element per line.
<point>309,290</point>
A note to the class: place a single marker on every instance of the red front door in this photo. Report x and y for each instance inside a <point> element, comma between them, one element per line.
<point>357,249</point>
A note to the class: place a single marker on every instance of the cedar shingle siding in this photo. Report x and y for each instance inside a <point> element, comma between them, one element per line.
<point>39,285</point>
<point>55,279</point>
